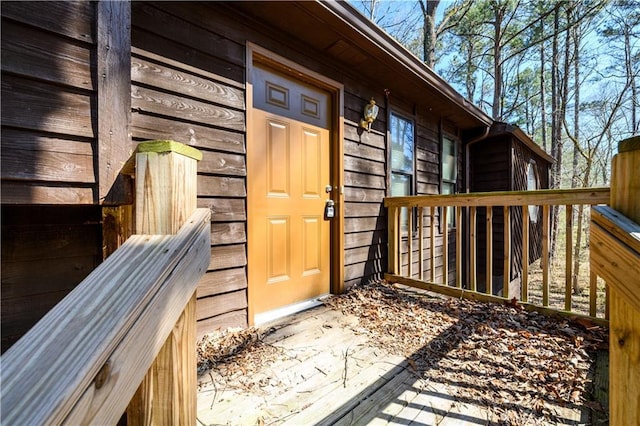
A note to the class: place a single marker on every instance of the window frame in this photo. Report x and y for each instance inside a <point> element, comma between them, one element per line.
<point>452,183</point>
<point>392,171</point>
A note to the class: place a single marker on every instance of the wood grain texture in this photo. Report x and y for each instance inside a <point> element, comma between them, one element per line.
<point>31,155</point>
<point>222,163</point>
<point>223,321</point>
<point>208,307</point>
<point>14,192</point>
<point>155,20</point>
<point>37,54</point>
<point>114,100</point>
<point>199,136</point>
<point>178,81</point>
<point>231,256</point>
<point>40,106</point>
<point>228,233</point>
<point>218,186</point>
<point>213,283</point>
<point>70,18</point>
<point>138,287</point>
<point>171,105</point>
<point>619,264</point>
<point>589,196</point>
<point>165,191</point>
<point>224,209</point>
<point>624,362</point>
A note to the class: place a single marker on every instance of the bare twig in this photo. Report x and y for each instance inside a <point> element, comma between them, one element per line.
<point>344,374</point>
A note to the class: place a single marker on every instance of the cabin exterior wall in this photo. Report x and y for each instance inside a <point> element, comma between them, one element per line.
<point>65,130</point>
<point>501,163</point>
<point>188,84</point>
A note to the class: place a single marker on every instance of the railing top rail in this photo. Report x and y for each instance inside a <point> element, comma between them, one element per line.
<point>83,361</point>
<point>540,197</point>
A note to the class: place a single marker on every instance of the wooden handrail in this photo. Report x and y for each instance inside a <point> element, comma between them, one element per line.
<point>83,361</point>
<point>540,197</point>
<point>615,252</point>
<point>489,204</point>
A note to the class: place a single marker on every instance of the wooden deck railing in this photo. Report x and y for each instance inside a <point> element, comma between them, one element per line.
<point>615,256</point>
<point>420,268</point>
<point>123,339</point>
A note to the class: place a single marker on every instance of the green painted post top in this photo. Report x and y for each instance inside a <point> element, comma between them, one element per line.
<point>161,146</point>
<point>630,144</point>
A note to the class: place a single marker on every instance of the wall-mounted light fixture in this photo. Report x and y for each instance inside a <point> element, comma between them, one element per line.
<point>370,115</point>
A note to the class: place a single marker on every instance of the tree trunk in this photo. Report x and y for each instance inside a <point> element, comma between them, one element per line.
<point>555,124</point>
<point>496,111</point>
<point>429,29</point>
<point>576,151</point>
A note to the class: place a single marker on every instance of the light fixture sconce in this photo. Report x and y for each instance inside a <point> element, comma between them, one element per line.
<point>370,115</point>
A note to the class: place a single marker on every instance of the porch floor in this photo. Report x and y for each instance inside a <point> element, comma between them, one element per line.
<point>386,354</point>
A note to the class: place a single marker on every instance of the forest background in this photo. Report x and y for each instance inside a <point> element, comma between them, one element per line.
<point>565,71</point>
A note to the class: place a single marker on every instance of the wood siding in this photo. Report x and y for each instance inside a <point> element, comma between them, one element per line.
<point>188,76</point>
<point>187,67</point>
<point>65,102</point>
<point>46,252</point>
<point>188,85</point>
<point>500,163</point>
<point>48,89</point>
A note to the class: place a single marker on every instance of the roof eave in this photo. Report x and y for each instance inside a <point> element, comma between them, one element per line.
<point>383,41</point>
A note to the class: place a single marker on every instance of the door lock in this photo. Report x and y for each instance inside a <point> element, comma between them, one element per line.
<point>329,210</point>
<point>328,188</point>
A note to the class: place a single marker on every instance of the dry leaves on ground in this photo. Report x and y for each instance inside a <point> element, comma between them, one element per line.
<point>520,365</point>
<point>517,363</point>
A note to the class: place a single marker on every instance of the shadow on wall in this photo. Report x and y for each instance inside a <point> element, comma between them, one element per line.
<point>48,146</point>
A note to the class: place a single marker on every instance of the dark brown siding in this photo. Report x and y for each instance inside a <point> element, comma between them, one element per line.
<point>188,86</point>
<point>188,76</point>
<point>500,164</point>
<point>46,252</point>
<point>48,98</point>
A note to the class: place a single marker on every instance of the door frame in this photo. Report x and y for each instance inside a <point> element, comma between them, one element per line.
<point>255,53</point>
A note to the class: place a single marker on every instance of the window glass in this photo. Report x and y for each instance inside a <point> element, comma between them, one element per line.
<point>449,160</point>
<point>449,174</point>
<point>402,141</point>
<point>402,146</point>
<point>532,184</point>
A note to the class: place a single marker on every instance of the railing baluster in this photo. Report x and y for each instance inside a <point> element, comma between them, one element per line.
<point>432,211</point>
<point>507,253</point>
<point>410,241</point>
<point>569,262</point>
<point>458,246</point>
<point>394,247</point>
<point>421,241</point>
<point>473,249</point>
<point>524,296</point>
<point>489,253</point>
<point>545,255</point>
<point>445,245</point>
<point>446,210</point>
<point>593,295</point>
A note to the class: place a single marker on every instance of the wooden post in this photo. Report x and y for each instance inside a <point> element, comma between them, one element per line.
<point>624,334</point>
<point>506,266</point>
<point>165,191</point>
<point>489,254</point>
<point>394,247</point>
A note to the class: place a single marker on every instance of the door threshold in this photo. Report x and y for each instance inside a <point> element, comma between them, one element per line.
<point>265,317</point>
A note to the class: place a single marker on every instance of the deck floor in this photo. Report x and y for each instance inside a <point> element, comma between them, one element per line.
<point>323,366</point>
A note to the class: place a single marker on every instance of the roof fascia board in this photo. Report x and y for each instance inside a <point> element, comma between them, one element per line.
<point>378,37</point>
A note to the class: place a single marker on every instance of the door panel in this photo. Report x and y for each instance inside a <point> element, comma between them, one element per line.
<point>288,169</point>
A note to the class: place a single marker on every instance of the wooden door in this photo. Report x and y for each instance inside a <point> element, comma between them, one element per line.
<point>288,155</point>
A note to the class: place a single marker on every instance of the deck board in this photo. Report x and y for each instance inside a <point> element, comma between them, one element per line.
<point>304,382</point>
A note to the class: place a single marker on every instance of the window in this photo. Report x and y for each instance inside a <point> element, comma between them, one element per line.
<point>402,164</point>
<point>449,174</point>
<point>533,183</point>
